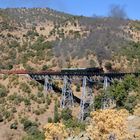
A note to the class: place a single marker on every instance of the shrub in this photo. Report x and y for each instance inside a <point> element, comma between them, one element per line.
<point>13,125</point>
<point>25,88</point>
<point>39,136</point>
<point>33,83</point>
<point>28,124</point>
<point>120,92</point>
<point>32,33</point>
<point>14,44</point>
<point>1,118</point>
<point>56,115</point>
<point>9,66</point>
<point>32,129</point>
<point>37,112</point>
<point>13,110</point>
<point>130,103</point>
<point>40,94</point>
<point>7,114</point>
<point>50,120</point>
<point>66,114</point>
<point>45,67</point>
<point>55,131</point>
<point>103,123</point>
<point>3,91</point>
<point>92,63</point>
<point>48,100</point>
<point>40,88</point>
<point>42,28</point>
<point>98,101</point>
<point>16,98</point>
<point>78,88</point>
<point>75,124</point>
<point>27,101</point>
<point>108,65</point>
<point>46,106</point>
<point>5,76</point>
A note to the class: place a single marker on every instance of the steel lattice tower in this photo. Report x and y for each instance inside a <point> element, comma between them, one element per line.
<point>48,83</point>
<point>105,83</point>
<point>105,99</point>
<point>67,96</point>
<point>107,102</point>
<point>86,99</point>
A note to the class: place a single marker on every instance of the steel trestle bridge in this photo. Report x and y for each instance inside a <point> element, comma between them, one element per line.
<point>87,80</point>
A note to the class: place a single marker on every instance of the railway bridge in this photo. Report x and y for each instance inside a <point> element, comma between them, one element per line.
<point>87,78</point>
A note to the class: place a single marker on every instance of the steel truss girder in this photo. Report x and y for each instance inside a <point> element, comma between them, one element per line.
<point>67,96</point>
<point>87,98</point>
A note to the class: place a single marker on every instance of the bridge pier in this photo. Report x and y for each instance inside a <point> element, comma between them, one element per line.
<point>48,83</point>
<point>106,84</point>
<point>107,102</point>
<point>67,96</point>
<point>86,98</point>
<point>105,99</point>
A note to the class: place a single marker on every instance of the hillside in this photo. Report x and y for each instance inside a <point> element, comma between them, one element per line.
<point>41,39</point>
<point>37,38</point>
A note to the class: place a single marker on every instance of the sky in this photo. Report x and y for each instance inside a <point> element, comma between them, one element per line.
<point>79,7</point>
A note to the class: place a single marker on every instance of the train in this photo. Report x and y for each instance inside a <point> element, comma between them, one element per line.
<point>88,70</point>
<point>62,71</point>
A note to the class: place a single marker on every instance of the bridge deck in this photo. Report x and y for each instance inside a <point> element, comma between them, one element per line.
<point>70,73</point>
<point>83,74</point>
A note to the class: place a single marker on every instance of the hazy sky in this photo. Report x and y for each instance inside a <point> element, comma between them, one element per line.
<point>79,7</point>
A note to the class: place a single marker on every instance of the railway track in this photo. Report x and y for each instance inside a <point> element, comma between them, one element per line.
<point>70,73</point>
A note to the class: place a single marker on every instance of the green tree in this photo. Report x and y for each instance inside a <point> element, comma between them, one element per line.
<point>130,103</point>
<point>3,91</point>
<point>56,114</point>
<point>27,101</point>
<point>1,118</point>
<point>120,91</point>
<point>50,120</point>
<point>98,101</point>
<point>130,83</point>
<point>78,88</point>
<point>45,67</point>
<point>32,130</point>
<point>75,124</point>
<point>66,114</point>
<point>108,65</point>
